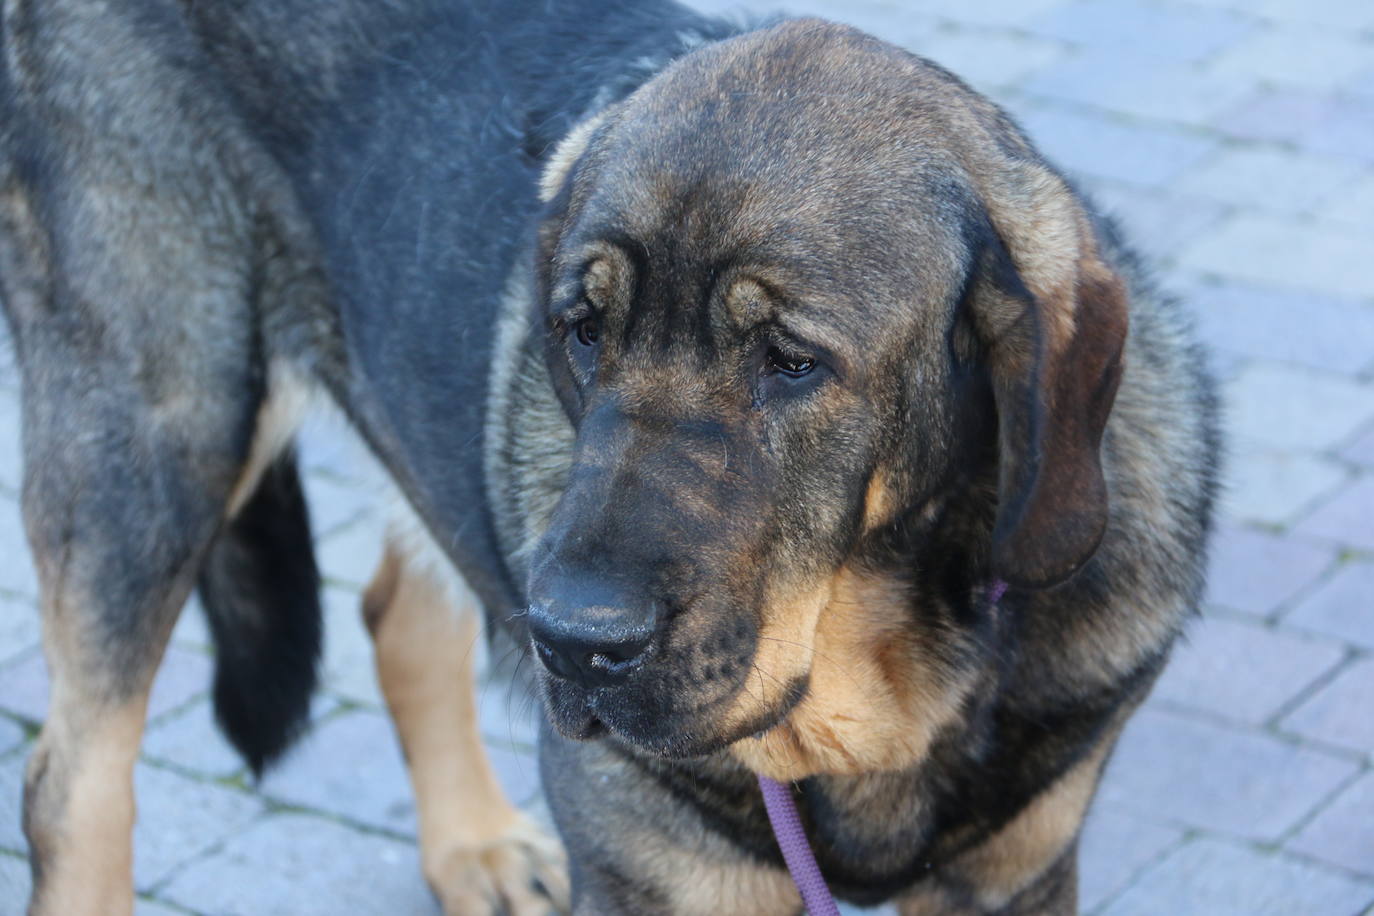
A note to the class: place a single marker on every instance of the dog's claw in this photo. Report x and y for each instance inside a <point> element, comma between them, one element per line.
<point>522,873</point>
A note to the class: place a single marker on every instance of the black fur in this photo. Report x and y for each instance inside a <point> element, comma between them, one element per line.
<point>260,591</point>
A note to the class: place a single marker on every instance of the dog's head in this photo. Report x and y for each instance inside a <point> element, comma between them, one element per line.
<point>798,288</point>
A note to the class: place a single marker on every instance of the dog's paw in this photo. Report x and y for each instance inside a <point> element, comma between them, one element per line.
<point>522,873</point>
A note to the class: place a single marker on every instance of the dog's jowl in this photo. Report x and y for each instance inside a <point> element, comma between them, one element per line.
<point>731,370</point>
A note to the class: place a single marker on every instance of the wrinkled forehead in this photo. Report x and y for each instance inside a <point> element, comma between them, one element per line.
<point>803,152</point>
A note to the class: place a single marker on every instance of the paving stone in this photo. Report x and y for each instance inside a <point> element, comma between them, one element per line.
<point>1256,572</point>
<point>1174,769</point>
<point>20,629</point>
<point>1114,847</point>
<point>1343,834</point>
<point>1317,121</point>
<point>990,59</point>
<point>14,885</point>
<point>1290,54</point>
<point>517,770</point>
<point>1271,250</point>
<point>182,675</point>
<point>334,504</point>
<point>144,907</point>
<point>17,577</point>
<point>293,865</point>
<point>1347,14</point>
<point>348,667</point>
<point>191,630</point>
<point>11,800</point>
<point>1347,131</point>
<point>350,556</point>
<point>1340,712</point>
<point>1157,223</point>
<point>350,766</point>
<point>1092,145</point>
<point>1296,408</point>
<point>1220,878</point>
<point>1270,179</point>
<point>1129,25</point>
<point>1342,607</point>
<point>11,458</point>
<point>1347,516</point>
<point>1273,487</point>
<point>1320,332</point>
<point>1362,451</point>
<point>11,735</point>
<point>1243,671</point>
<point>179,819</point>
<point>1352,205</point>
<point>508,713</point>
<point>191,740</point>
<point>1141,85</point>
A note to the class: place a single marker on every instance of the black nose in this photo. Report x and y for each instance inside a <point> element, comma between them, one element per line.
<point>591,646</point>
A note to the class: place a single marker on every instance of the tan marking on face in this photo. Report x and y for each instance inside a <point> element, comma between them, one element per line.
<point>880,502</point>
<point>748,304</point>
<point>568,151</point>
<point>874,698</point>
<point>81,815</point>
<point>1013,858</point>
<point>476,848</point>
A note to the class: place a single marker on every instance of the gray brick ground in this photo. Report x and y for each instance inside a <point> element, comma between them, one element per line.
<point>1340,713</point>
<point>1089,145</point>
<point>19,627</point>
<point>1221,878</point>
<point>349,766</point>
<point>1343,607</point>
<point>1235,141</point>
<point>180,818</point>
<point>293,865</point>
<point>1116,847</point>
<point>1268,249</point>
<point>1343,834</point>
<point>14,885</point>
<point>1318,332</point>
<point>1127,25</point>
<point>1179,770</point>
<point>11,735</point>
<point>1275,487</point>
<point>1293,409</point>
<point>1347,516</point>
<point>1257,571</point>
<point>1242,671</point>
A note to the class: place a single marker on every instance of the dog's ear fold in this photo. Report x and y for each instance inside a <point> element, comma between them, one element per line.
<point>1052,317</point>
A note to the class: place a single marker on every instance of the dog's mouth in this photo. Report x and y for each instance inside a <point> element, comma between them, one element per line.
<point>657,722</point>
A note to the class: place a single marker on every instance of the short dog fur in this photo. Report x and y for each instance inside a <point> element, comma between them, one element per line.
<point>730,368</point>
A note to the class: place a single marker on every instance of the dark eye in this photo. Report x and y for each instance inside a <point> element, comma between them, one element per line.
<point>788,364</point>
<point>588,331</point>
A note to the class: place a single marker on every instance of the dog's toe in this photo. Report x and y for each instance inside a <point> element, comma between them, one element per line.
<point>522,873</point>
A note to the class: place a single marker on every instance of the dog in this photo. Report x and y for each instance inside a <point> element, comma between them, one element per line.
<point>733,371</point>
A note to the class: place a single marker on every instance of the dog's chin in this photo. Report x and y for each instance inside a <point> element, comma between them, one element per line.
<point>653,728</point>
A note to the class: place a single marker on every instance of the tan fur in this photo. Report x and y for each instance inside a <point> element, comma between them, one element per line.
<point>881,504</point>
<point>568,151</point>
<point>289,397</point>
<point>478,851</point>
<point>1013,858</point>
<point>875,696</point>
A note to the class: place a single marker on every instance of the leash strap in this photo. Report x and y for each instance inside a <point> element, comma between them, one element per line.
<point>787,828</point>
<point>796,851</point>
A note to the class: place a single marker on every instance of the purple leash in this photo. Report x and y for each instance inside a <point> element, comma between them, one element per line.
<point>787,828</point>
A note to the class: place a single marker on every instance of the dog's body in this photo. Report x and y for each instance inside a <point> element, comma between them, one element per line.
<point>801,350</point>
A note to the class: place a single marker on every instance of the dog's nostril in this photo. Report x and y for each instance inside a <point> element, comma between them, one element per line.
<point>590,656</point>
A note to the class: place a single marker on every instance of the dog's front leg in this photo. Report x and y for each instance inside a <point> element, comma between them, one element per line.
<point>481,855</point>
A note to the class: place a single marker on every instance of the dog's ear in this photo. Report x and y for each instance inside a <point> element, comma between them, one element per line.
<point>1052,318</point>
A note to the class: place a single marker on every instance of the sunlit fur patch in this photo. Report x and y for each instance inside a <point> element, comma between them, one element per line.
<point>878,689</point>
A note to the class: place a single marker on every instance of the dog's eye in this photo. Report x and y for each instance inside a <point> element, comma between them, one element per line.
<point>587,331</point>
<point>790,365</point>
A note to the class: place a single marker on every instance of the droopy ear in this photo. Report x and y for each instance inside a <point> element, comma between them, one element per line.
<point>1052,316</point>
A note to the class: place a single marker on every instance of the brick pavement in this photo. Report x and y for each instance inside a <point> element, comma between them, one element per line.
<point>1235,138</point>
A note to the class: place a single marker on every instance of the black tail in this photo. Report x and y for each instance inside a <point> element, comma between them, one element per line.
<point>261,593</point>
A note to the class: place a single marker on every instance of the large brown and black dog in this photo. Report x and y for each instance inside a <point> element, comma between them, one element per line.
<point>731,369</point>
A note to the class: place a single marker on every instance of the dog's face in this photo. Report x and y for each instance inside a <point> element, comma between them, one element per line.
<point>796,287</point>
